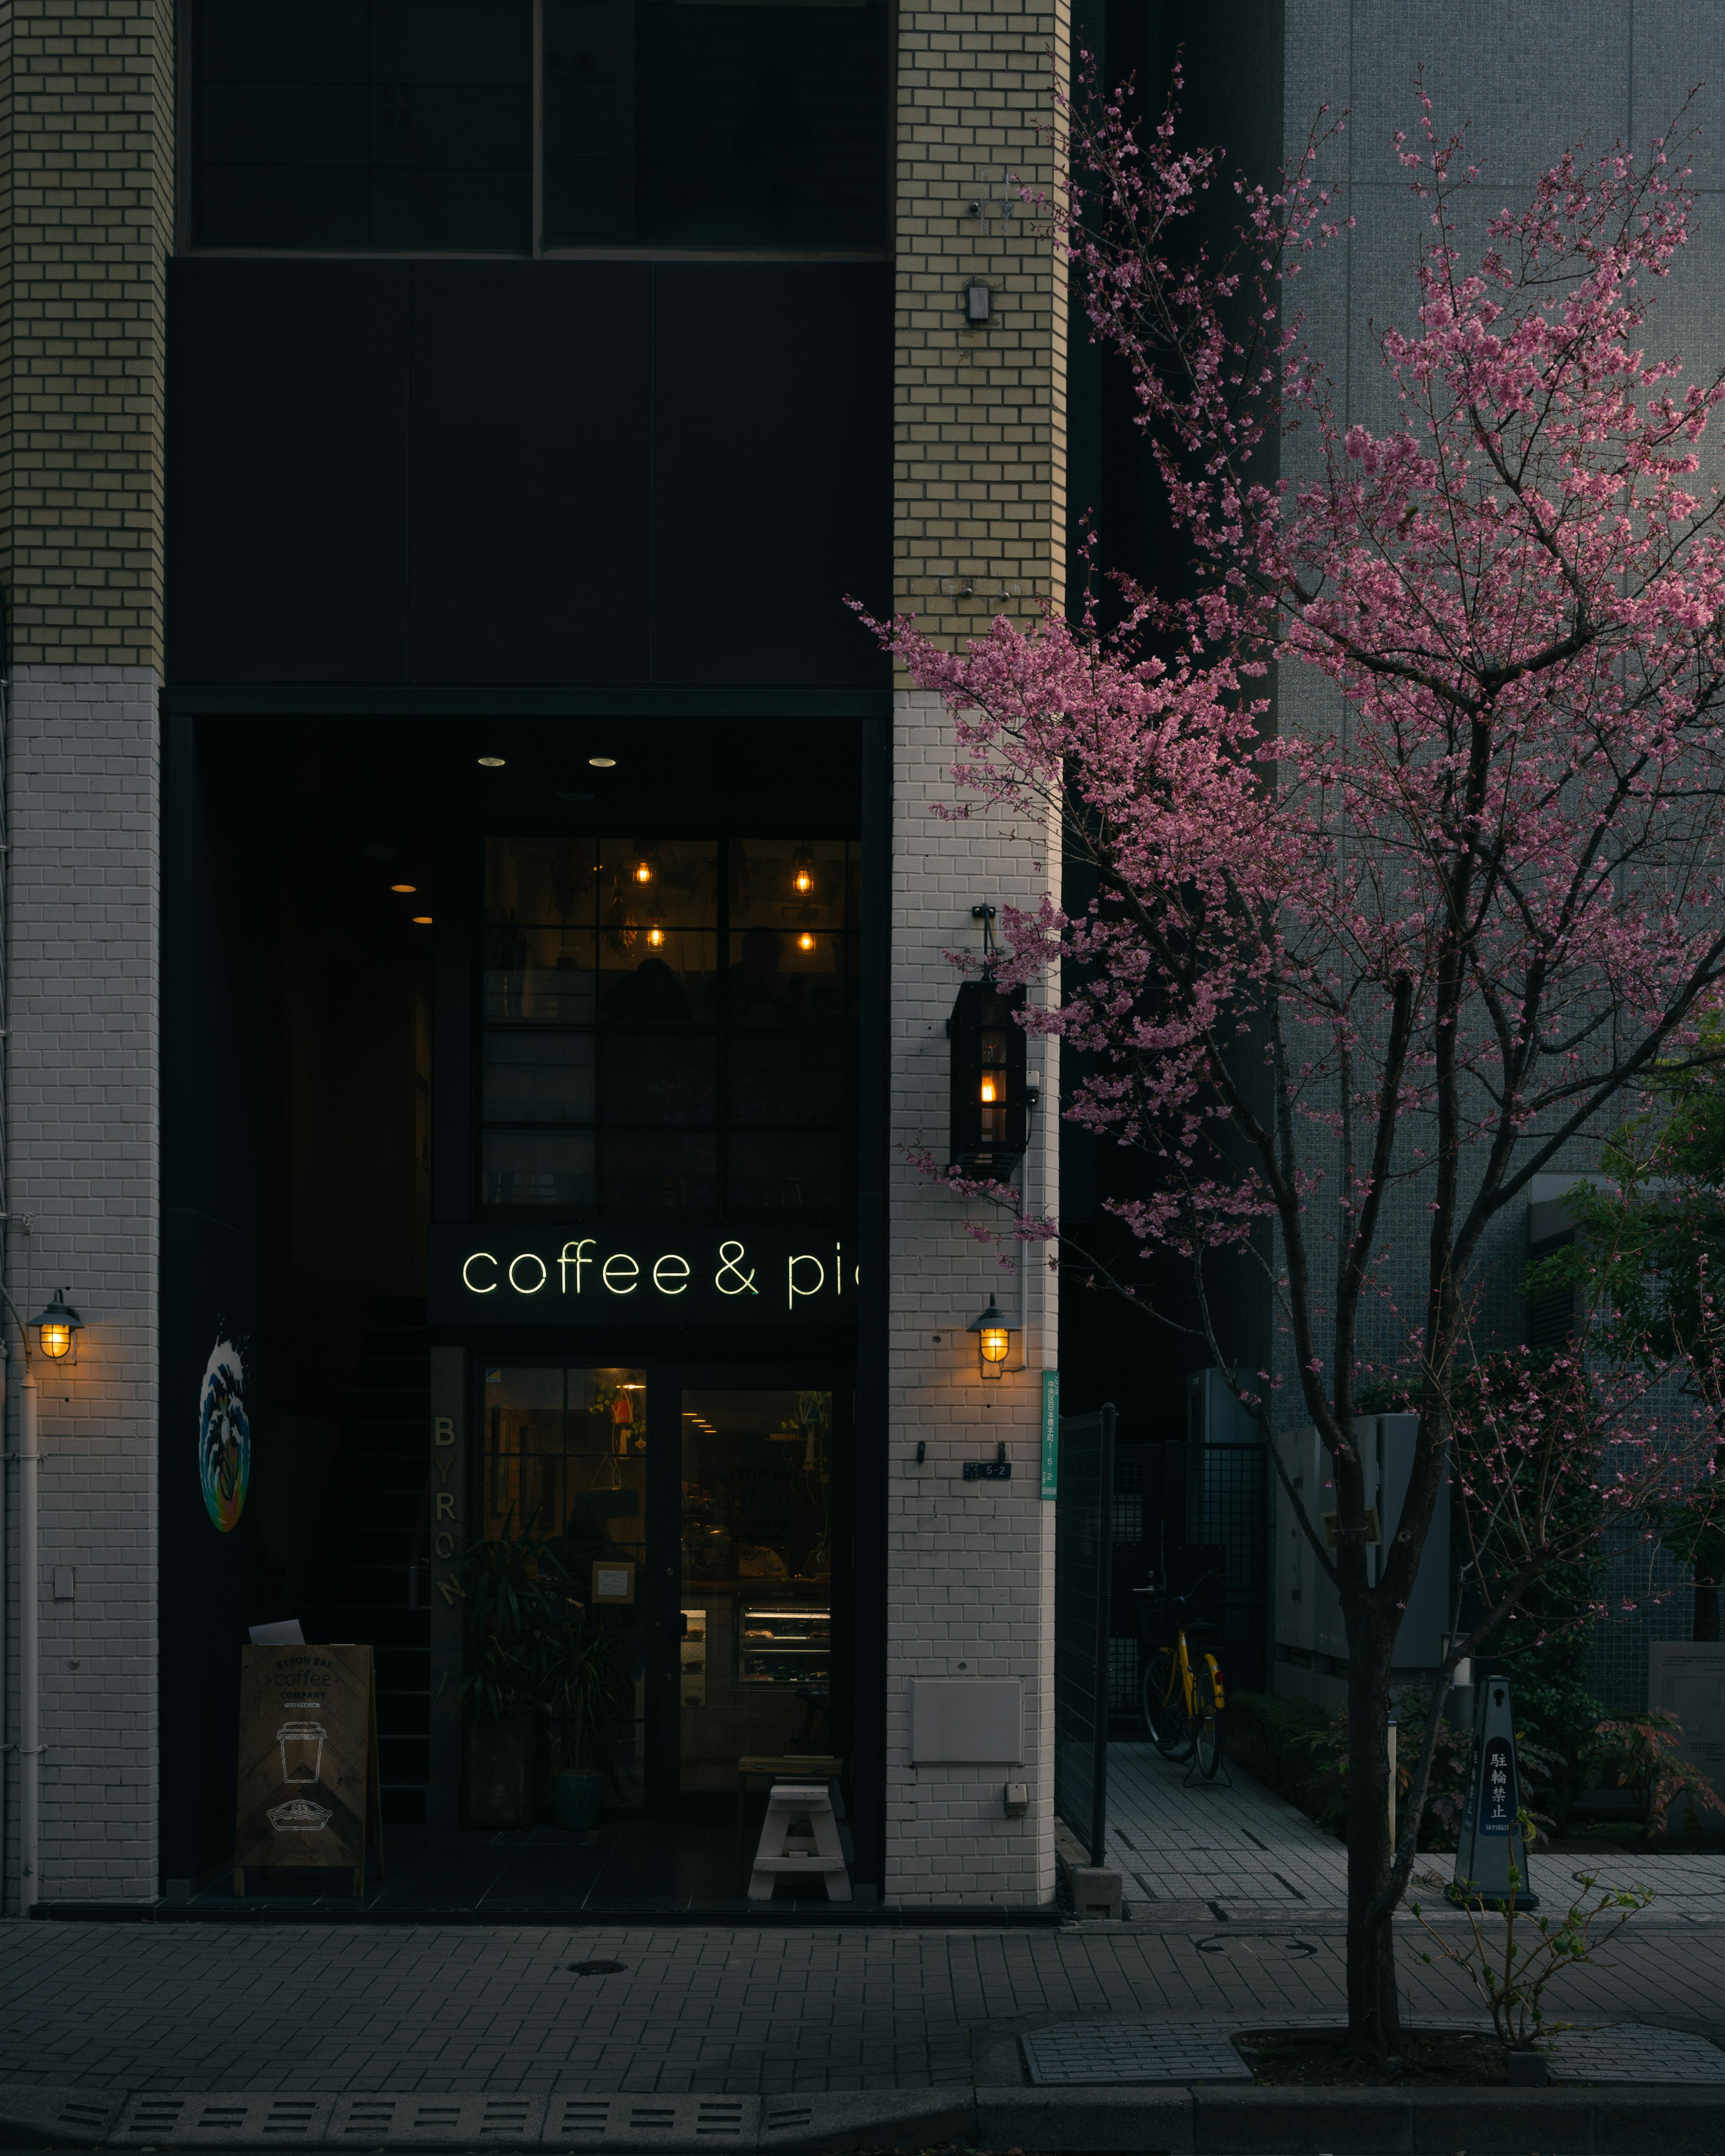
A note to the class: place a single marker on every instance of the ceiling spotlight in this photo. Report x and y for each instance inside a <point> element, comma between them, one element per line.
<point>603,762</point>
<point>404,886</point>
<point>574,797</point>
<point>422,921</point>
<point>492,763</point>
<point>805,941</point>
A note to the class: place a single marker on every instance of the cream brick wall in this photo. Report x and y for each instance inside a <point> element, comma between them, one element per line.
<point>82,1148</point>
<point>979,528</point>
<point>970,1565</point>
<point>86,187</point>
<point>86,205</point>
<point>979,479</point>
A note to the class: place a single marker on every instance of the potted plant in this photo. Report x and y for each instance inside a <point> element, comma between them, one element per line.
<point>516,1606</point>
<point>588,1692</point>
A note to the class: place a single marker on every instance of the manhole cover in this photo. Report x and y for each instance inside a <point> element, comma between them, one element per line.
<point>596,1967</point>
<point>1090,2054</point>
<point>1258,1946</point>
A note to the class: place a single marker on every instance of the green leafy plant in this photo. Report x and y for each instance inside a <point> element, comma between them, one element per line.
<point>1647,1260</point>
<point>516,1603</point>
<point>1511,1971</point>
<point>1641,1754</point>
<point>586,1689</point>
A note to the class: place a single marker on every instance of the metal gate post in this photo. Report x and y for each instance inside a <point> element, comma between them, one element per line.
<point>1104,1586</point>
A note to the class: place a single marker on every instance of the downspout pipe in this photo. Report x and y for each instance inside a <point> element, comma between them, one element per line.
<point>29,1644</point>
<point>29,1623</point>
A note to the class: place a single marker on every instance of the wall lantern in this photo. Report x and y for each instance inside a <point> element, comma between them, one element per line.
<point>57,1329</point>
<point>988,1099</point>
<point>993,1339</point>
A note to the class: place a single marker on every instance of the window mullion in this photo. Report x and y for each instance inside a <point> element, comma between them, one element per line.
<point>538,128</point>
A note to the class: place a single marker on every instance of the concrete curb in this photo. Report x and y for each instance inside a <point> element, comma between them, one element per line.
<point>1204,2121</point>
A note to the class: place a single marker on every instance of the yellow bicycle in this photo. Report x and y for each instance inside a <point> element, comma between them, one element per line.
<point>1183,1704</point>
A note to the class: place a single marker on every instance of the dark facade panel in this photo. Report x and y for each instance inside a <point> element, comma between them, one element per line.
<point>286,470</point>
<point>772,471</point>
<point>599,474</point>
<point>529,534</point>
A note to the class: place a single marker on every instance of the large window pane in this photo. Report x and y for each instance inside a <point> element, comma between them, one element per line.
<point>785,1080</point>
<point>658,1078</point>
<point>668,1023</point>
<point>778,978</point>
<point>675,881</point>
<point>589,122</point>
<point>536,1167</point>
<point>698,124</point>
<point>363,123</point>
<point>789,884</point>
<point>539,1078</point>
<point>659,1170</point>
<point>786,1170</point>
<point>650,975</point>
<point>541,881</point>
<point>544,973</point>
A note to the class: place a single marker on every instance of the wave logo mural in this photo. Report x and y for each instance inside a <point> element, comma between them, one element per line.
<point>224,1436</point>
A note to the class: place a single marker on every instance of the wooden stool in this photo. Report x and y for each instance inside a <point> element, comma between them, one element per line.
<point>757,1772</point>
<point>781,1850</point>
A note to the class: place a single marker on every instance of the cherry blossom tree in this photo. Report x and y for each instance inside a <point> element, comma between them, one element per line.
<point>1404,816</point>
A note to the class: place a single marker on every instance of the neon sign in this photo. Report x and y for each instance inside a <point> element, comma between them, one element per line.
<point>641,1275</point>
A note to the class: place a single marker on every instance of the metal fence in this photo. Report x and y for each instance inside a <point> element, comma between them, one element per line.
<point>1083,1624</point>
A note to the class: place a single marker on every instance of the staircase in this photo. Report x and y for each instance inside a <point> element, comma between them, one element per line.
<point>370,1581</point>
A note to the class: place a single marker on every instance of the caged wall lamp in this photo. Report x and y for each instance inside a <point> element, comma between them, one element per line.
<point>993,1340</point>
<point>57,1329</point>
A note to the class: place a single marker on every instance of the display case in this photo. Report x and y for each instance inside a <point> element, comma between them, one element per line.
<point>777,1644</point>
<point>691,1653</point>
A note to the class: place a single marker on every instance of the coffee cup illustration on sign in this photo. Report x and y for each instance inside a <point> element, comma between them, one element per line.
<point>297,1816</point>
<point>301,1750</point>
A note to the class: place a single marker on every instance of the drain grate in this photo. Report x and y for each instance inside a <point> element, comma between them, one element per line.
<point>597,1968</point>
<point>1099,2054</point>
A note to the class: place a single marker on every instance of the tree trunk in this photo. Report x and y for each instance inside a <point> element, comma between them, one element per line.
<point>1706,1609</point>
<point>1373,2007</point>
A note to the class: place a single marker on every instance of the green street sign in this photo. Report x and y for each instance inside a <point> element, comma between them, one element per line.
<point>1050,1433</point>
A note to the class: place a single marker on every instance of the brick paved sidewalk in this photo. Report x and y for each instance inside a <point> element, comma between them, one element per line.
<point>474,2009</point>
<point>1195,1851</point>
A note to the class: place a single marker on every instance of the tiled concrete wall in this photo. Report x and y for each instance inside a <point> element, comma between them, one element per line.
<point>82,1148</point>
<point>1526,86</point>
<point>970,1565</point>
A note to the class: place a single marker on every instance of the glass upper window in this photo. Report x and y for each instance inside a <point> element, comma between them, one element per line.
<point>363,123</point>
<point>667,1024</point>
<point>409,124</point>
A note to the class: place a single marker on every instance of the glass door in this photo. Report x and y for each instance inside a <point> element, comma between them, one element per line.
<point>755,1620</point>
<point>565,1460</point>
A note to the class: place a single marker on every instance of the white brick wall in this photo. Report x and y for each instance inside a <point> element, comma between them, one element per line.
<point>83,1146</point>
<point>970,1566</point>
